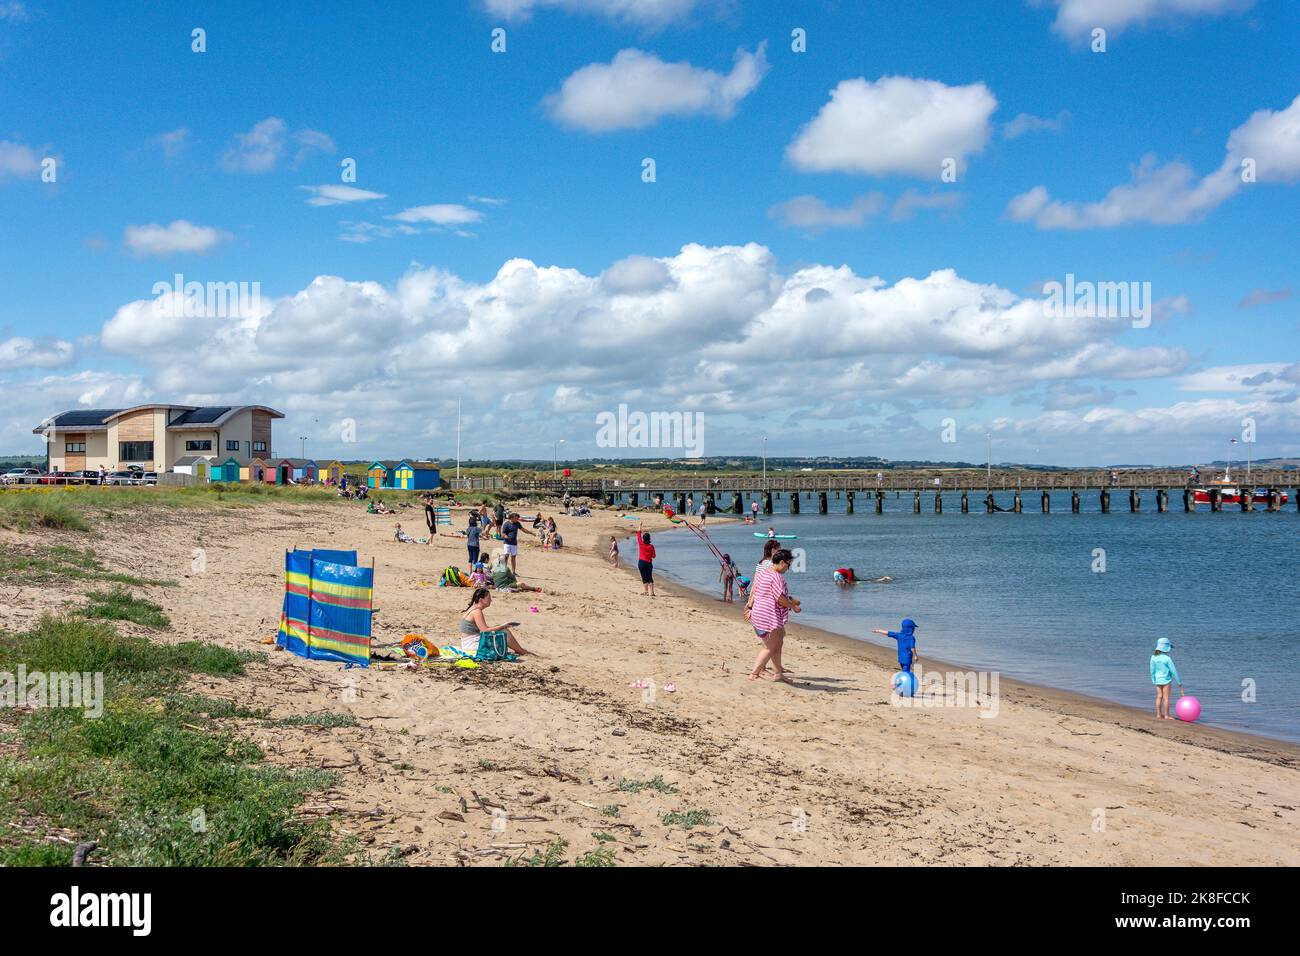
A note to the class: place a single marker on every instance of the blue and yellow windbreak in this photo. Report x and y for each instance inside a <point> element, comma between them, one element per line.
<point>327,606</point>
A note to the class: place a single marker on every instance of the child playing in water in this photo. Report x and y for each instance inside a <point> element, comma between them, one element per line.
<point>728,578</point>
<point>1164,675</point>
<point>906,637</point>
<point>613,551</point>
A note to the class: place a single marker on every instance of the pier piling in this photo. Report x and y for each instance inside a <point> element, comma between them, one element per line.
<point>1134,500</point>
<point>634,499</point>
<point>988,503</point>
<point>821,502</point>
<point>965,503</point>
<point>1016,504</point>
<point>1189,500</point>
<point>1047,503</point>
<point>880,502</point>
<point>848,503</point>
<point>1247,498</point>
<point>767,502</point>
<point>916,502</point>
<point>1105,501</point>
<point>1162,501</point>
<point>1216,500</point>
<point>1074,501</point>
<point>794,503</point>
<point>737,505</point>
<point>938,502</point>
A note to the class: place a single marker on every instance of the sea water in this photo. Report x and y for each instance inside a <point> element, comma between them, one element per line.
<point>1074,601</point>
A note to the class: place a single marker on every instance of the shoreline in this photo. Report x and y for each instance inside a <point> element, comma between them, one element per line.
<point>1057,700</point>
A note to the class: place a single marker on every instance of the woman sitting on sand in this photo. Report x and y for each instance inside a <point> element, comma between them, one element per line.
<point>472,624</point>
<point>503,579</point>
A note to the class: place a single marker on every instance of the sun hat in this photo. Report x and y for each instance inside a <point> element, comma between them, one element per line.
<point>1164,644</point>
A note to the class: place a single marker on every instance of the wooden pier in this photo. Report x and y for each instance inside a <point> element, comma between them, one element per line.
<point>726,494</point>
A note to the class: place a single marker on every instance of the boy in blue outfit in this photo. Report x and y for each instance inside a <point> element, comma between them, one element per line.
<point>906,637</point>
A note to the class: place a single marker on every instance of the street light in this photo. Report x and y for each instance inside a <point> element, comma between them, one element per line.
<point>555,458</point>
<point>764,462</point>
<point>988,473</point>
<point>303,439</point>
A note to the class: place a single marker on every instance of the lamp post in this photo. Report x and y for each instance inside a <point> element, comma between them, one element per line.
<point>765,463</point>
<point>555,458</point>
<point>303,439</point>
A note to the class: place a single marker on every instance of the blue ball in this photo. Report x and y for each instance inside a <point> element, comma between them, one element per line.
<point>905,684</point>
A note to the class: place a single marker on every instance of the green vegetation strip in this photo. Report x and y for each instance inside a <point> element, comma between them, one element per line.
<point>152,780</point>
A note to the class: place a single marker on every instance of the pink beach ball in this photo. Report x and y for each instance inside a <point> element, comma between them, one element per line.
<point>1187,708</point>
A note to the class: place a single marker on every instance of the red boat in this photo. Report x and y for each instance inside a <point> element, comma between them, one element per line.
<point>1230,493</point>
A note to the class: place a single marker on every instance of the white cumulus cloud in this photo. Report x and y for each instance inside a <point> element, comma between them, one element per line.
<point>637,89</point>
<point>895,125</point>
<point>180,235</point>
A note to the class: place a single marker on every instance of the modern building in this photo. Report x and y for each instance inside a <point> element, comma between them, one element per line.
<point>156,437</point>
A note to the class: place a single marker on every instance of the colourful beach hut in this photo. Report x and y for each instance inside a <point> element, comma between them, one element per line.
<point>295,471</point>
<point>332,472</point>
<point>260,470</point>
<point>230,470</point>
<point>192,465</point>
<point>417,475</point>
<point>380,473</point>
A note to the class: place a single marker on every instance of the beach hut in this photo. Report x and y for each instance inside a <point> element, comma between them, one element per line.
<point>332,472</point>
<point>380,473</point>
<point>417,475</point>
<point>230,470</point>
<point>259,470</point>
<point>192,465</point>
<point>304,470</point>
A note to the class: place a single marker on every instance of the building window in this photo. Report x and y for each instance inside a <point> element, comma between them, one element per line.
<point>232,445</point>
<point>135,451</point>
<point>75,447</point>
<point>203,445</point>
<point>259,446</point>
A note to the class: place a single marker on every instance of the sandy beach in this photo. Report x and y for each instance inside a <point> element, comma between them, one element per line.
<point>471,767</point>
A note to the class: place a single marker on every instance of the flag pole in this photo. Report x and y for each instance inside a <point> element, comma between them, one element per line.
<point>458,438</point>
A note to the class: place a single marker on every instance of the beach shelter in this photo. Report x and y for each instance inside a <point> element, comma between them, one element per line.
<point>328,605</point>
<point>284,471</point>
<point>380,473</point>
<point>332,472</point>
<point>192,465</point>
<point>304,469</point>
<point>229,470</point>
<point>417,475</point>
<point>259,469</point>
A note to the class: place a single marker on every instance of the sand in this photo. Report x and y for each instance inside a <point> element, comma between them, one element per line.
<point>472,767</point>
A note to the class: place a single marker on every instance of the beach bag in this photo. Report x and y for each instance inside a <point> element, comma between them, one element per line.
<point>492,646</point>
<point>451,577</point>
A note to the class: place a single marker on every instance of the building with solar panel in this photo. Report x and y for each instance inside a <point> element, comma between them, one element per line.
<point>156,437</point>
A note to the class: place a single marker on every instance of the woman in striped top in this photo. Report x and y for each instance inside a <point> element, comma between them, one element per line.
<point>771,607</point>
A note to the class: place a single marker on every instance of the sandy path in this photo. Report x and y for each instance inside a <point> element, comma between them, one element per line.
<point>823,772</point>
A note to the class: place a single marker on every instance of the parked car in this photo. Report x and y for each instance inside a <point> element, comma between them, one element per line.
<point>88,477</point>
<point>20,476</point>
<point>57,478</point>
<point>149,478</point>
<point>122,478</point>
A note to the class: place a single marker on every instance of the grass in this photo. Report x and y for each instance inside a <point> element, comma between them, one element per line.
<point>120,605</point>
<point>603,856</point>
<point>29,511</point>
<point>145,780</point>
<point>47,565</point>
<point>656,784</point>
<point>610,810</point>
<point>553,855</point>
<point>687,820</point>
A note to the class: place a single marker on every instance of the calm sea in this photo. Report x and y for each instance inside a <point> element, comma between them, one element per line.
<point>1023,594</point>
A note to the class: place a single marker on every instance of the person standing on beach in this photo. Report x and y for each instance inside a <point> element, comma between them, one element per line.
<point>770,547</point>
<point>753,509</point>
<point>472,538</point>
<point>613,551</point>
<point>431,517</point>
<point>510,534</point>
<point>499,517</point>
<point>906,637</point>
<point>645,560</point>
<point>771,609</point>
<point>1164,675</point>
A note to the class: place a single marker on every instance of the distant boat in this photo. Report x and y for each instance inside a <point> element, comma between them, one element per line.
<point>1230,493</point>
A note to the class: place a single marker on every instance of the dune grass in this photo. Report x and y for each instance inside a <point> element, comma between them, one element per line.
<point>153,780</point>
<point>25,564</point>
<point>119,604</point>
<point>32,510</point>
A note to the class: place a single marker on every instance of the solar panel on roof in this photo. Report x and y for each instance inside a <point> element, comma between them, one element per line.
<point>202,416</point>
<point>83,417</point>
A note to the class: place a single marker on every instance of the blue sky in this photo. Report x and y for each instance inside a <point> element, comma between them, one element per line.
<point>689,293</point>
